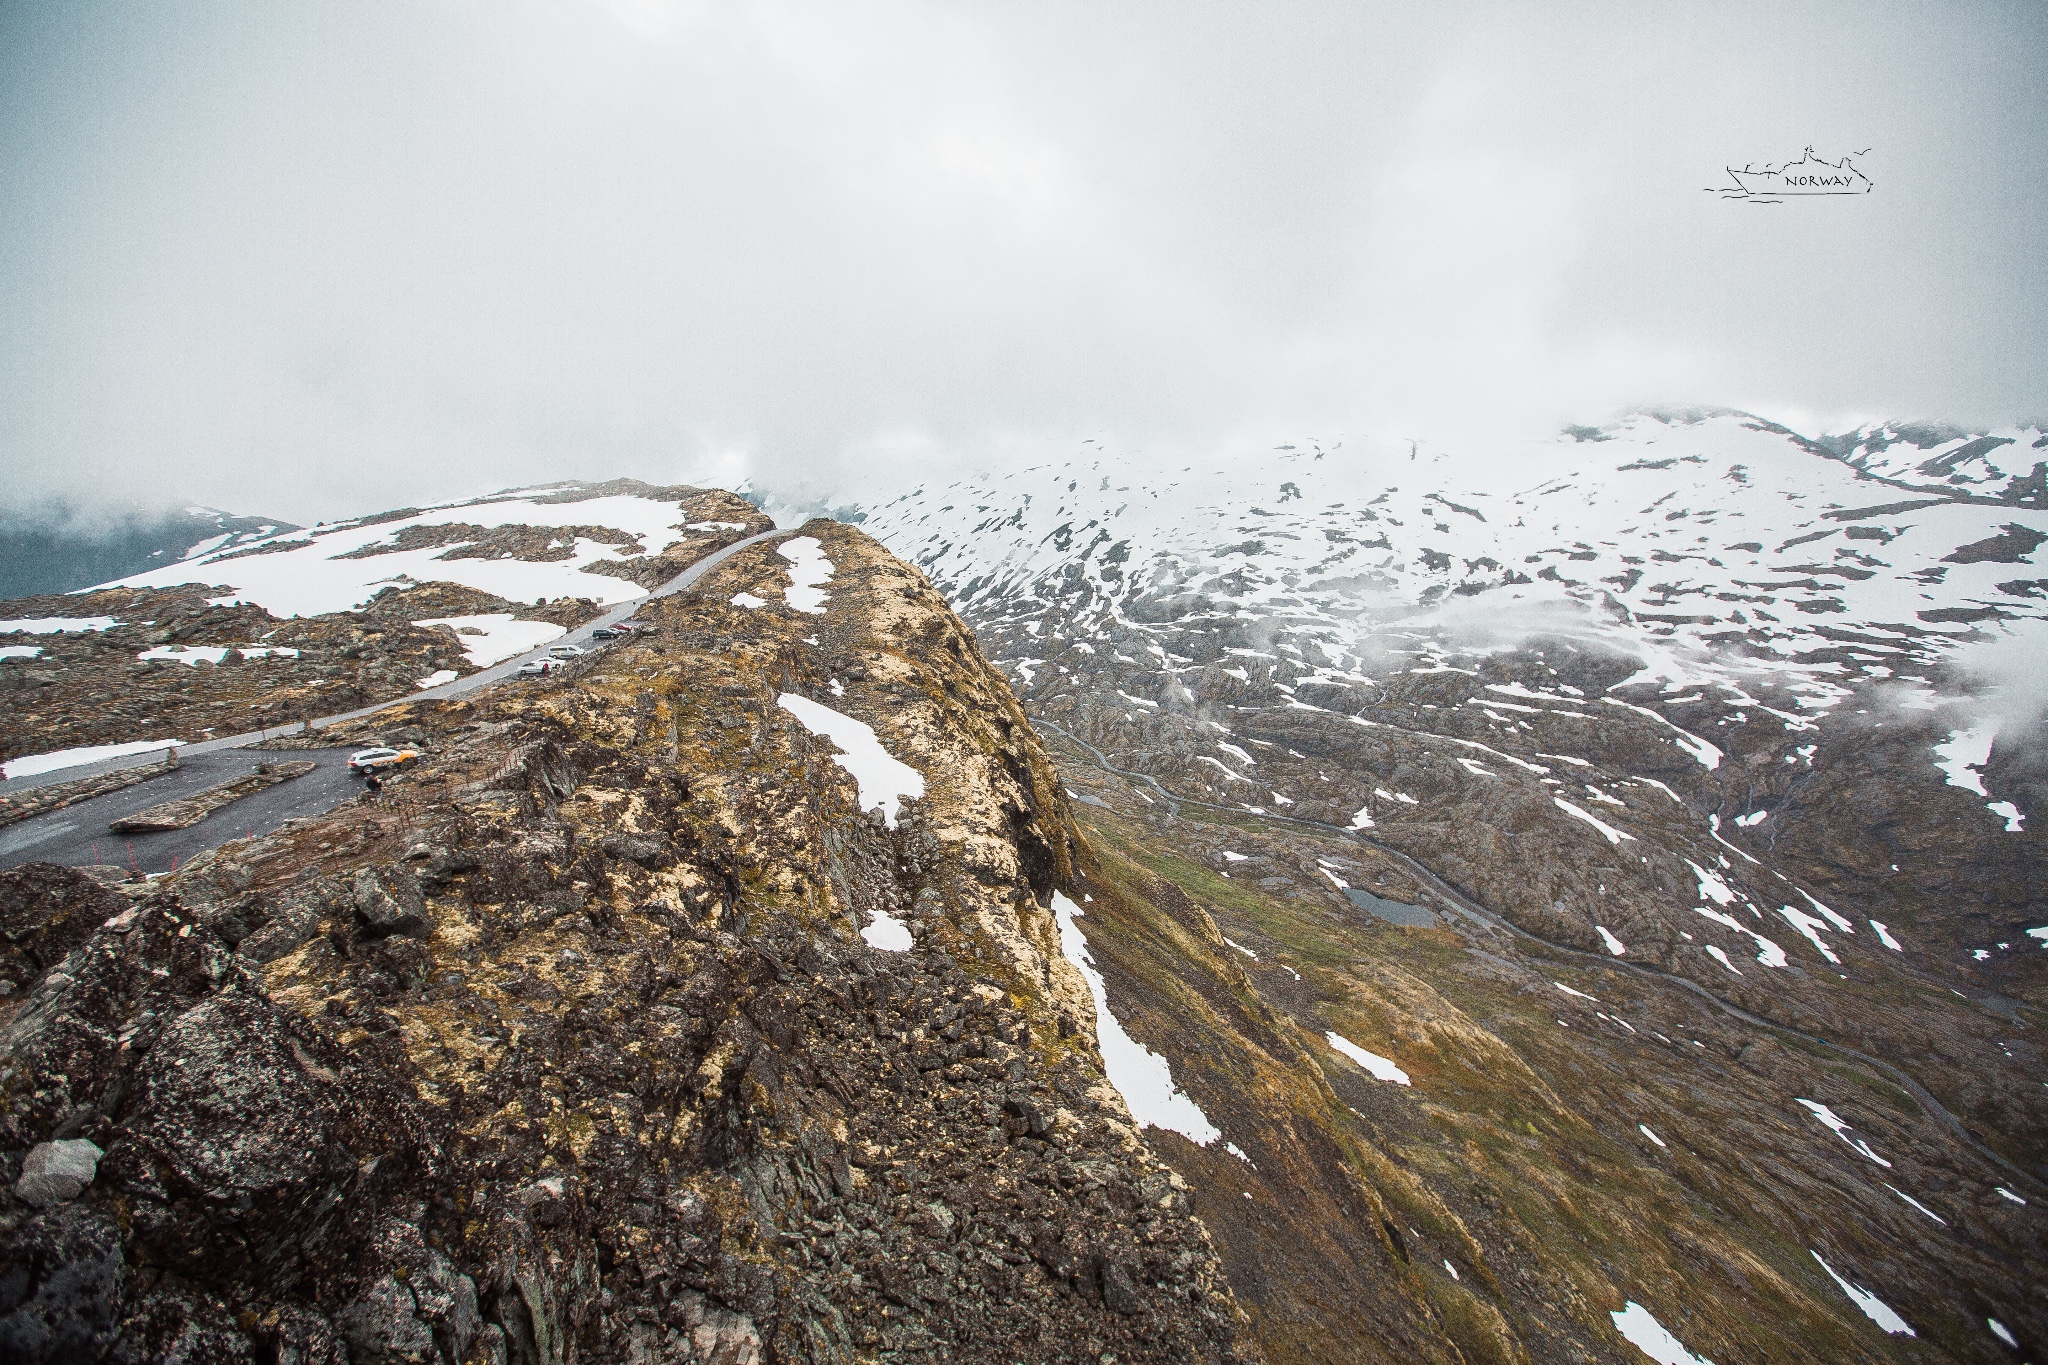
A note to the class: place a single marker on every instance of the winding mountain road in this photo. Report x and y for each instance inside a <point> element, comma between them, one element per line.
<point>77,835</point>
<point>1466,905</point>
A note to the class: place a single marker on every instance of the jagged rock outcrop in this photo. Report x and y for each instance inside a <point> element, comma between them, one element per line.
<point>572,1048</point>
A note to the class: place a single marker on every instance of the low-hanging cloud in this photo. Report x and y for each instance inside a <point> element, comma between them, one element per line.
<point>317,261</point>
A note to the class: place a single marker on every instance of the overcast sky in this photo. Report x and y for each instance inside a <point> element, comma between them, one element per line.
<point>311,260</point>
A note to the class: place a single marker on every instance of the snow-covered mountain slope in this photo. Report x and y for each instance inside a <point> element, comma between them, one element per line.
<point>1715,547</point>
<point>1657,691</point>
<point>605,542</point>
<point>284,624</point>
<point>1676,534</point>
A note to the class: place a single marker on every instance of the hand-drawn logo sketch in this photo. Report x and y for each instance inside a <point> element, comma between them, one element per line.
<point>1811,176</point>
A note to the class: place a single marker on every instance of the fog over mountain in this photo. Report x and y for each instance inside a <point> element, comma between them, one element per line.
<point>314,264</point>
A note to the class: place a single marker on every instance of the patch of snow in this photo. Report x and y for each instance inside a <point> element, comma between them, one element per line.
<point>747,600</point>
<point>1767,950</point>
<point>1914,1202</point>
<point>1711,886</point>
<point>1614,836</point>
<point>714,526</point>
<point>31,764</point>
<point>882,777</point>
<point>313,576</point>
<point>1238,1152</point>
<point>213,654</point>
<point>1642,1330</point>
<point>1379,1066</point>
<point>1580,994</point>
<point>1832,917</point>
<point>1842,1130</point>
<point>1614,945</point>
<point>2002,1332</point>
<point>56,625</point>
<point>185,654</point>
<point>2008,1194</point>
<point>439,676</point>
<point>1873,1307</point>
<point>21,651</point>
<point>494,636</point>
<point>809,571</point>
<point>1362,820</point>
<point>1964,755</point>
<point>1650,1135</point>
<point>1222,767</point>
<point>888,933</point>
<point>2015,823</point>
<point>1141,1076</point>
<point>1811,927</point>
<point>1453,1269</point>
<point>1230,857</point>
<point>1241,948</point>
<point>1884,936</point>
<point>1721,957</point>
<point>1704,753</point>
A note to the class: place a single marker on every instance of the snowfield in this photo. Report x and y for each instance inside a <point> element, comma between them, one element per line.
<point>1646,1334</point>
<point>1721,548</point>
<point>1377,1066</point>
<point>309,573</point>
<point>492,637</point>
<point>56,625</point>
<point>1141,1076</point>
<point>30,764</point>
<point>809,571</point>
<point>882,777</point>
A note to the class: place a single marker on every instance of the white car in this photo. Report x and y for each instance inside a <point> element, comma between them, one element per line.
<point>534,668</point>
<point>376,760</point>
<point>566,652</point>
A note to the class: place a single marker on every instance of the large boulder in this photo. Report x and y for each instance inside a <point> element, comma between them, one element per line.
<point>45,912</point>
<point>254,1151</point>
<point>67,1057</point>
<point>250,1164</point>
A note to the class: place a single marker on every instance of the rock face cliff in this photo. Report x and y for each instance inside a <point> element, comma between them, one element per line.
<point>1626,870</point>
<point>576,1044</point>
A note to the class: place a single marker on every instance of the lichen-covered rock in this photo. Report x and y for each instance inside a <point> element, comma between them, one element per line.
<point>68,1057</point>
<point>577,1052</point>
<point>254,1152</point>
<point>45,912</point>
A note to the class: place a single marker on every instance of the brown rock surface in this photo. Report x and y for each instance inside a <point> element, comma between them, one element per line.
<point>569,1047</point>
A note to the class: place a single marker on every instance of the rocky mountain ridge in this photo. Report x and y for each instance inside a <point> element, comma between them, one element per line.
<point>573,1045</point>
<point>1285,970</point>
